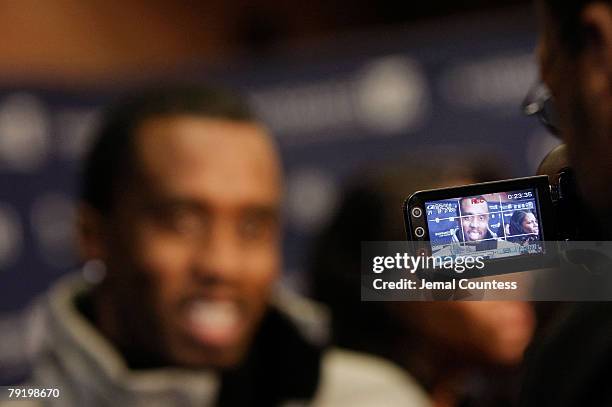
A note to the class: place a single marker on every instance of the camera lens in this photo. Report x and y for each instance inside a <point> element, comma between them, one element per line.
<point>417,212</point>
<point>419,232</point>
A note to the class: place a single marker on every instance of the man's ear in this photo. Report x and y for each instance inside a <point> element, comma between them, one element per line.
<point>91,232</point>
<point>596,22</point>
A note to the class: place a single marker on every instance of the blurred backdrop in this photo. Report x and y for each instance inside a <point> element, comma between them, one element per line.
<point>343,86</point>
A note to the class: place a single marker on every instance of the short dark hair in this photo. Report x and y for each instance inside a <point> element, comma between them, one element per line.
<point>110,159</point>
<point>566,15</point>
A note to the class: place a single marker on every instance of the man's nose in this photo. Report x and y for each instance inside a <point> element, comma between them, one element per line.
<point>219,257</point>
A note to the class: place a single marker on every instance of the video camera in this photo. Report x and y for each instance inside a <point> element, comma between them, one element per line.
<point>514,225</point>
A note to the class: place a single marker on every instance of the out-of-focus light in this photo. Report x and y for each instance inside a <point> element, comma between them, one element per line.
<point>24,132</point>
<point>94,271</point>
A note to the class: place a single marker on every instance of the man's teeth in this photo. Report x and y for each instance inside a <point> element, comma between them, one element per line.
<point>214,314</point>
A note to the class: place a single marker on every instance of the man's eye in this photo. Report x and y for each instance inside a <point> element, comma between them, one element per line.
<point>481,218</point>
<point>256,228</point>
<point>183,221</point>
<point>188,223</point>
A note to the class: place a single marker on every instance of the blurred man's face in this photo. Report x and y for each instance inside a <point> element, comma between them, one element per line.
<point>475,219</point>
<point>194,246</point>
<point>582,87</point>
<point>530,224</point>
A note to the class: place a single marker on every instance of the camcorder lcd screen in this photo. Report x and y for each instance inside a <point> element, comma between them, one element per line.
<point>493,225</point>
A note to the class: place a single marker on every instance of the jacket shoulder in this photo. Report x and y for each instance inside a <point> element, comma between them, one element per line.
<point>356,379</point>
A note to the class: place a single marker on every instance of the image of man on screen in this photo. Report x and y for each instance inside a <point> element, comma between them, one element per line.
<point>474,233</point>
<point>475,219</point>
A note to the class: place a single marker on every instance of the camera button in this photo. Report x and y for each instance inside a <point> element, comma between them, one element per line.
<point>419,232</point>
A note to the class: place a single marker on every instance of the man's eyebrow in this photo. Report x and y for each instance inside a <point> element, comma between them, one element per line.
<point>170,200</point>
<point>263,209</point>
<point>257,209</point>
<point>472,213</point>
